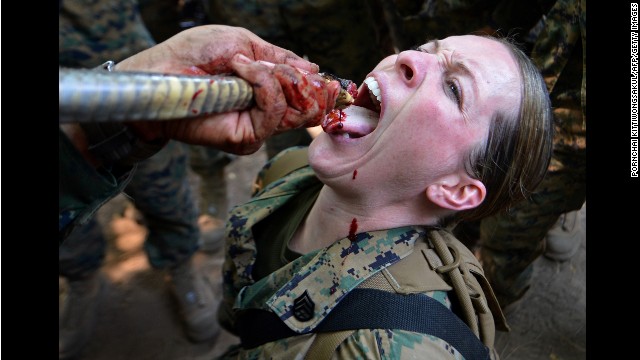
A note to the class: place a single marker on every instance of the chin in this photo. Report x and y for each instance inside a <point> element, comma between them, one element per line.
<point>325,158</point>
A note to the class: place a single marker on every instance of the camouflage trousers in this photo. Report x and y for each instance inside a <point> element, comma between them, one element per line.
<point>161,191</point>
<point>510,243</point>
<point>209,164</point>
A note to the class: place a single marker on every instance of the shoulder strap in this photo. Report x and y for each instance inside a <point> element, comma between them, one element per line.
<point>416,312</point>
<point>282,164</point>
<point>325,344</point>
<point>384,310</point>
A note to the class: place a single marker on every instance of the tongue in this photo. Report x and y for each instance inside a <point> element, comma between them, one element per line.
<point>354,120</point>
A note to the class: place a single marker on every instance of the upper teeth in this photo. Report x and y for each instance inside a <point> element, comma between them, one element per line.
<point>372,84</point>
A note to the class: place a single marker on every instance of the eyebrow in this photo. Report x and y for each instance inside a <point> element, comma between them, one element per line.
<point>458,65</point>
<point>436,44</point>
<point>461,66</point>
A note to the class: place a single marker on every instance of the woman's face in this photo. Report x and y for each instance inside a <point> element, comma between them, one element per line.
<point>435,105</point>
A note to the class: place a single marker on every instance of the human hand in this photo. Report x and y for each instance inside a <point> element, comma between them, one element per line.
<point>288,95</point>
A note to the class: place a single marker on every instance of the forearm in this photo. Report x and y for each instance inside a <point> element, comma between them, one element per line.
<point>83,186</point>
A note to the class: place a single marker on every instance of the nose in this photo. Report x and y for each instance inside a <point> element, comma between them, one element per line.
<point>412,66</point>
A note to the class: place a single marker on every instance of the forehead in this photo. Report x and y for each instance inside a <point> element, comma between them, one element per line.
<point>485,54</point>
<point>492,63</point>
<point>471,43</point>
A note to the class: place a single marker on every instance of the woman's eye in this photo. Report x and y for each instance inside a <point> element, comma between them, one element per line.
<point>453,87</point>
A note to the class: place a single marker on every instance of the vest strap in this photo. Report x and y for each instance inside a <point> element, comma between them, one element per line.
<point>371,309</point>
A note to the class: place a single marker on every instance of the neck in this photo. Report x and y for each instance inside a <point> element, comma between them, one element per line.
<point>333,218</point>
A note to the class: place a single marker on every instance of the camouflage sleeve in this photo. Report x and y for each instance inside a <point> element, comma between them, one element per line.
<point>361,344</point>
<point>82,189</point>
<point>394,344</point>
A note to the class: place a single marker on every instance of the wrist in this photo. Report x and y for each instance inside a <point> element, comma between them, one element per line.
<point>117,144</point>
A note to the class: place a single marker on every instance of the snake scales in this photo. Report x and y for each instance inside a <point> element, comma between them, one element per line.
<point>98,96</point>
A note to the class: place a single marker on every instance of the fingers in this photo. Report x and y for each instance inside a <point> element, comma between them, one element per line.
<point>309,97</point>
<point>269,98</point>
<point>274,54</point>
<point>230,132</point>
<point>301,93</point>
<point>286,98</point>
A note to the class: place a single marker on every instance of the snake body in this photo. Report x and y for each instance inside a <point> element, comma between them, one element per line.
<point>98,96</point>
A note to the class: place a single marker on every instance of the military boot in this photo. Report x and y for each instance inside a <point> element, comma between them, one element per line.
<point>196,301</point>
<point>211,233</point>
<point>565,237</point>
<point>77,316</point>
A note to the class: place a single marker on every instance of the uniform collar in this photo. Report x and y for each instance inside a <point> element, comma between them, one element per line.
<point>320,284</point>
<point>317,281</point>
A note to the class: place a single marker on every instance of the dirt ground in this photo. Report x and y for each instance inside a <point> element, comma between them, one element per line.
<point>137,317</point>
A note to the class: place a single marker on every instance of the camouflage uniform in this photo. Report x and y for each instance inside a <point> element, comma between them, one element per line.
<point>345,38</point>
<point>161,18</point>
<point>80,196</point>
<point>209,164</point>
<point>159,188</point>
<point>418,23</point>
<point>90,32</point>
<point>325,276</point>
<point>511,242</point>
<point>93,31</point>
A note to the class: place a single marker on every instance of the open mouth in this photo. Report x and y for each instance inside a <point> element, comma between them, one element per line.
<point>359,119</point>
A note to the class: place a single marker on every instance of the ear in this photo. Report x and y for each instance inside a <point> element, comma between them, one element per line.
<point>457,192</point>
